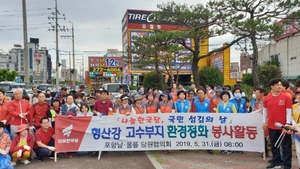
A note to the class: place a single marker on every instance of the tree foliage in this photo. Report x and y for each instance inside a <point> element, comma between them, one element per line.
<point>193,23</point>
<point>158,50</point>
<point>268,72</point>
<point>211,75</point>
<point>248,79</point>
<point>6,75</point>
<point>151,78</point>
<point>255,19</point>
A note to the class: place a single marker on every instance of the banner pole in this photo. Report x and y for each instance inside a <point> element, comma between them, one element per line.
<point>55,157</point>
<point>99,155</point>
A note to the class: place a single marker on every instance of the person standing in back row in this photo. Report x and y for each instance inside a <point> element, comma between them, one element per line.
<point>277,107</point>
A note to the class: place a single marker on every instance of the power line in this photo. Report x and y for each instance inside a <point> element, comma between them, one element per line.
<point>28,10</point>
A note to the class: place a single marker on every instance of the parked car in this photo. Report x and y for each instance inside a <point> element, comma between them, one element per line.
<point>115,87</point>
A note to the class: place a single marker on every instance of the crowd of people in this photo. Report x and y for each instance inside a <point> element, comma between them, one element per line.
<point>27,123</point>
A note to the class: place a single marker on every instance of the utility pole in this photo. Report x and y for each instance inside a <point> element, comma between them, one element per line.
<point>73,52</point>
<point>57,51</point>
<point>25,36</point>
<point>56,13</point>
<point>70,66</point>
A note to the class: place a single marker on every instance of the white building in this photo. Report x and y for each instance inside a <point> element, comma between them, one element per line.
<point>287,50</point>
<point>9,62</point>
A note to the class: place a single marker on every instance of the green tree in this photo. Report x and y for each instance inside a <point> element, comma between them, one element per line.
<point>254,19</point>
<point>273,61</point>
<point>248,79</point>
<point>6,75</point>
<point>11,75</point>
<point>158,50</point>
<point>211,75</point>
<point>193,22</point>
<point>268,72</point>
<point>151,78</point>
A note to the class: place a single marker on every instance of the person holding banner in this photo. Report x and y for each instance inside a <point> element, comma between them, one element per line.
<point>104,106</point>
<point>44,140</point>
<point>138,106</point>
<point>278,109</point>
<point>69,108</point>
<point>226,107</point>
<point>125,109</point>
<point>84,110</point>
<point>239,102</point>
<point>166,105</point>
<point>182,105</point>
<point>201,104</point>
<point>117,103</point>
<point>151,106</point>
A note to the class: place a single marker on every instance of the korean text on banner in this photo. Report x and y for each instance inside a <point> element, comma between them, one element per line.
<point>213,131</point>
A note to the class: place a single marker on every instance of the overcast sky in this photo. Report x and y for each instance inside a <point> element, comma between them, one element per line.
<point>97,24</point>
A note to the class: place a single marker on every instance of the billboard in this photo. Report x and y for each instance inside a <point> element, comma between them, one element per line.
<point>217,61</point>
<point>37,63</point>
<point>105,66</point>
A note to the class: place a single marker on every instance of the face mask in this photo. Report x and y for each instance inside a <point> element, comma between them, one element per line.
<point>254,96</point>
<point>237,95</point>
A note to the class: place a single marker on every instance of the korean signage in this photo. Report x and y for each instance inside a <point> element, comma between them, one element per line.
<point>217,61</point>
<point>213,131</point>
<point>37,63</point>
<point>105,66</point>
<point>135,80</point>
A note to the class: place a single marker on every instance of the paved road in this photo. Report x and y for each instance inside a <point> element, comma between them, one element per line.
<point>203,160</point>
<point>112,160</point>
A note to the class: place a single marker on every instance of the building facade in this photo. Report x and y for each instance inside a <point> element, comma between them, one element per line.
<point>39,62</point>
<point>287,51</point>
<point>65,74</point>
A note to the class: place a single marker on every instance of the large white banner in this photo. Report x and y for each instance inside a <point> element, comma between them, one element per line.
<point>213,131</point>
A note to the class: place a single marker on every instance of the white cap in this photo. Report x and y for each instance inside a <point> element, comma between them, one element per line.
<point>118,96</point>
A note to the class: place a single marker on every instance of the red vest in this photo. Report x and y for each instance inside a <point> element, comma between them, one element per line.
<point>166,107</point>
<point>124,110</point>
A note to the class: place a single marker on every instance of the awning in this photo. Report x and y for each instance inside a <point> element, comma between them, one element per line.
<point>291,77</point>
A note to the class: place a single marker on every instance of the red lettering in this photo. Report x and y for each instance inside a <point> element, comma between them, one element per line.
<point>149,119</point>
<point>217,131</point>
<point>226,131</point>
<point>132,120</point>
<point>124,120</point>
<point>251,132</point>
<point>156,119</point>
<point>141,120</point>
<point>239,132</point>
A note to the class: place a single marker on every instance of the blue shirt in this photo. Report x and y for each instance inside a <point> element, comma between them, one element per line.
<point>182,106</point>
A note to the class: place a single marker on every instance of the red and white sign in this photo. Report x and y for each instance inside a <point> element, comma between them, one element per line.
<point>213,131</point>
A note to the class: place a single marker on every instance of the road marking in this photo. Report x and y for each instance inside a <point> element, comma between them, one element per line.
<point>153,160</point>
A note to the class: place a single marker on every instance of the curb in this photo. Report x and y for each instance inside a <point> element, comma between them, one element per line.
<point>153,160</point>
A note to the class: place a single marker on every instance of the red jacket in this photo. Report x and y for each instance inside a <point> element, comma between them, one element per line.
<point>14,145</point>
<point>38,111</point>
<point>4,114</point>
<point>14,108</point>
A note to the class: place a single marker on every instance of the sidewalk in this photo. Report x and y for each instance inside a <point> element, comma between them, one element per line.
<point>204,160</point>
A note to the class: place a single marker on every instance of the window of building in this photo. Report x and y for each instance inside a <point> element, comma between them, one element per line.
<point>9,57</point>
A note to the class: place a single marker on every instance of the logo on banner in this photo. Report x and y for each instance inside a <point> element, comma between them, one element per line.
<point>67,131</point>
<point>70,132</point>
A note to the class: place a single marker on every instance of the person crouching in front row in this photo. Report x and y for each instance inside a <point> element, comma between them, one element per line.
<point>44,140</point>
<point>21,146</point>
